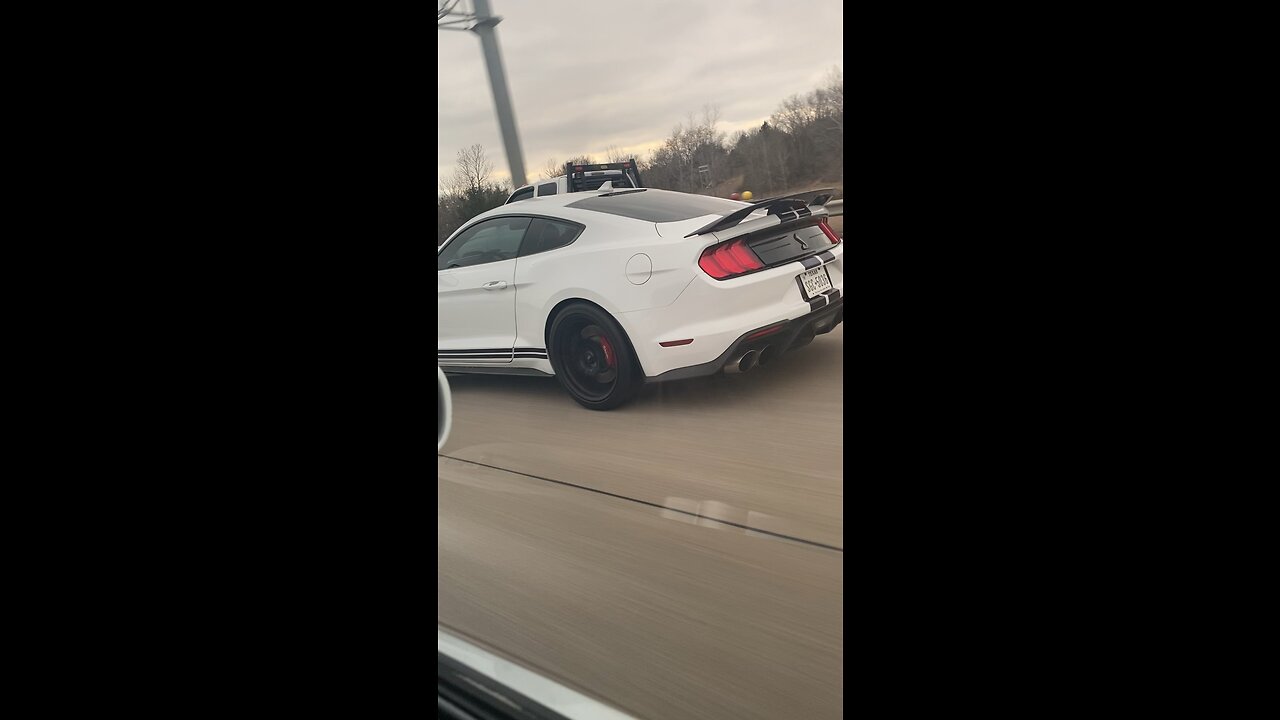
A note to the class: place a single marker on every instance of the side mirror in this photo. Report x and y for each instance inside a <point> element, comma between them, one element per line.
<point>444,415</point>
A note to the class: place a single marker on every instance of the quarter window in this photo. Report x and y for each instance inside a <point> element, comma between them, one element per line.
<point>547,189</point>
<point>547,235</point>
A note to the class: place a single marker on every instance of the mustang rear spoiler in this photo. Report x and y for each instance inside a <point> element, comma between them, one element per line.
<point>783,207</point>
<point>819,197</point>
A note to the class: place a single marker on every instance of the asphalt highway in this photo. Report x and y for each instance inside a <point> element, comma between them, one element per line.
<point>679,557</point>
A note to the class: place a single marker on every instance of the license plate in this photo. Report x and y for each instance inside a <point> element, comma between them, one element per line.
<point>815,281</point>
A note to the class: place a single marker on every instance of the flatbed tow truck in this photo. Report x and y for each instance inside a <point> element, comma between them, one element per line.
<point>579,177</point>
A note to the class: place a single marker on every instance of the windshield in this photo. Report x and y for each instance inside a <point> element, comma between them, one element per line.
<point>640,498</point>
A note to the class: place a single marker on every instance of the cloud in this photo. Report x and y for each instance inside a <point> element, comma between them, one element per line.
<point>587,75</point>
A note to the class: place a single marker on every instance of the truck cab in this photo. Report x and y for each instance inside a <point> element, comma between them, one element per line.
<point>581,177</point>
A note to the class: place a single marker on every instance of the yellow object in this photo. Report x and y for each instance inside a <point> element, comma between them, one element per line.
<point>746,195</point>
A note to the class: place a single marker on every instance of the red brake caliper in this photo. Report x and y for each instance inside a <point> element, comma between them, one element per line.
<point>608,351</point>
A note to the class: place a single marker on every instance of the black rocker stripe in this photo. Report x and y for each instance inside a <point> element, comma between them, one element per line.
<point>505,356</point>
<point>472,353</point>
<point>461,358</point>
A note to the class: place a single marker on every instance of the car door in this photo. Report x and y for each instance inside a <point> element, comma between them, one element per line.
<point>475,293</point>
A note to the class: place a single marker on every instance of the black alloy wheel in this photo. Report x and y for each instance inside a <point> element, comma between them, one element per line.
<point>592,358</point>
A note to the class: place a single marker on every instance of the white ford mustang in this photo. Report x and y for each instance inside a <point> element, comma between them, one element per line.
<point>610,289</point>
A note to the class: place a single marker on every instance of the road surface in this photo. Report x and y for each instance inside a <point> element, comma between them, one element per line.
<point>680,557</point>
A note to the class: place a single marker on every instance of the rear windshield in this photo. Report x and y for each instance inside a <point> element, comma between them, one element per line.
<point>658,206</point>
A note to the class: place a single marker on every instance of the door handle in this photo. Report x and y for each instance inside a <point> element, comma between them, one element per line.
<point>495,285</point>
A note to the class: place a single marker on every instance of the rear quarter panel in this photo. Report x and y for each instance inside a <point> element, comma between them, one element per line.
<point>594,268</point>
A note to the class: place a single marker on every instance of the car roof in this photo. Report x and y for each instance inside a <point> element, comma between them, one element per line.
<point>551,205</point>
<point>563,199</point>
<point>559,206</point>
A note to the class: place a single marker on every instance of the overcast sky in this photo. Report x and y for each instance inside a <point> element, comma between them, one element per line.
<point>588,74</point>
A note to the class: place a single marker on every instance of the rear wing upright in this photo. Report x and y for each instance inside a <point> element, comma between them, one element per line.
<point>815,197</point>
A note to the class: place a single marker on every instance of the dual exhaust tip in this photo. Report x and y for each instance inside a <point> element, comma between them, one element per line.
<point>750,360</point>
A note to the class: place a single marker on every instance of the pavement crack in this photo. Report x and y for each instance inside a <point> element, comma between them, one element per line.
<point>638,501</point>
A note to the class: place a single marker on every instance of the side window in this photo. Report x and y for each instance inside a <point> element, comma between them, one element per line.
<point>547,189</point>
<point>523,193</point>
<point>547,235</point>
<point>490,241</point>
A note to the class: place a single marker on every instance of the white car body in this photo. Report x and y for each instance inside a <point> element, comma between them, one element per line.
<point>495,316</point>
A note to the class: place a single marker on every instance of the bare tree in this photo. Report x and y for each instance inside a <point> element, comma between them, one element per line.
<point>552,168</point>
<point>833,93</point>
<point>473,170</point>
<point>613,154</point>
<point>697,142</point>
<point>795,114</point>
<point>469,192</point>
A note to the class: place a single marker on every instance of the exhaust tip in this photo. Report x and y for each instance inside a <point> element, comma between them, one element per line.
<point>767,355</point>
<point>743,363</point>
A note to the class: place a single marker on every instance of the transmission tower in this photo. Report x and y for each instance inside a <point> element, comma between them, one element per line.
<point>452,15</point>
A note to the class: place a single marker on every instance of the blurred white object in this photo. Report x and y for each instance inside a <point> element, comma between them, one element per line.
<point>479,664</point>
<point>444,418</point>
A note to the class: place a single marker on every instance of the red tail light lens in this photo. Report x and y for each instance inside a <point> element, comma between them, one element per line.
<point>728,260</point>
<point>830,235</point>
<point>747,259</point>
<point>709,265</point>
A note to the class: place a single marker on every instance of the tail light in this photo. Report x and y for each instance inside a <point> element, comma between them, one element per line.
<point>728,260</point>
<point>830,235</point>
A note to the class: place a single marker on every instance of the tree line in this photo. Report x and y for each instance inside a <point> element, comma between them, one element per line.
<point>801,143</point>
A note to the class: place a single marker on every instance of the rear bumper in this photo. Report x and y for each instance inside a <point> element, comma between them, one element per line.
<point>791,334</point>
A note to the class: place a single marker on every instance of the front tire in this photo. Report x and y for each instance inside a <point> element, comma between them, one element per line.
<point>592,358</point>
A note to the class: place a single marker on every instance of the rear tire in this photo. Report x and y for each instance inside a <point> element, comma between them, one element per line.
<point>592,358</point>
